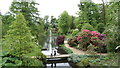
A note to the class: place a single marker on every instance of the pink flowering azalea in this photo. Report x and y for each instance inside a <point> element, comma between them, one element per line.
<point>78,38</point>
<point>95,34</point>
<point>86,30</point>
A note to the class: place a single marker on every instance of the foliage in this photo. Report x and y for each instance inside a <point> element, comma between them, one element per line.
<point>76,21</point>
<point>54,22</point>
<point>111,42</point>
<point>86,37</point>
<point>79,26</point>
<point>72,42</point>
<point>88,27</point>
<point>85,62</point>
<point>64,22</point>
<point>30,12</point>
<point>90,60</point>
<point>74,58</point>
<point>113,29</point>
<point>72,25</point>
<point>9,60</point>
<point>91,50</point>
<point>89,12</point>
<point>60,39</point>
<point>28,9</point>
<point>18,41</point>
<point>100,27</point>
<point>32,62</point>
<point>46,23</point>
<point>40,33</point>
<point>6,21</point>
<point>67,50</point>
<point>75,32</point>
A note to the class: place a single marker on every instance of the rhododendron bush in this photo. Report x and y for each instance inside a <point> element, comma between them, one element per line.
<point>60,39</point>
<point>86,37</point>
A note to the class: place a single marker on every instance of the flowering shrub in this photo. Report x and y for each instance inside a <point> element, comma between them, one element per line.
<point>60,40</point>
<point>86,37</point>
<point>72,42</point>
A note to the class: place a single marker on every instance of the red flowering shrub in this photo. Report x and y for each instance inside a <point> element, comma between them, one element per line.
<point>86,37</point>
<point>60,40</point>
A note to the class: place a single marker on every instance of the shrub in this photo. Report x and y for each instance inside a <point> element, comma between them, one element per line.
<point>85,62</point>
<point>67,50</point>
<point>75,32</point>
<point>88,27</point>
<point>79,26</point>
<point>9,60</point>
<point>100,27</point>
<point>60,40</point>
<point>72,42</point>
<point>91,50</point>
<point>74,58</point>
<point>86,37</point>
<point>32,62</point>
<point>112,36</point>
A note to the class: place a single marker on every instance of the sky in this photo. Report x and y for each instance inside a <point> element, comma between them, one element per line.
<point>49,7</point>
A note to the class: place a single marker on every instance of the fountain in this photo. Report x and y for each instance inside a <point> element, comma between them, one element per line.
<point>50,48</point>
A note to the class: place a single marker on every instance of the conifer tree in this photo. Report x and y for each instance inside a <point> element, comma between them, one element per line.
<point>18,41</point>
<point>30,12</point>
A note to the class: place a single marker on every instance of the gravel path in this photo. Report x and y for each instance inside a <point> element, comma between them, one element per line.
<point>79,52</point>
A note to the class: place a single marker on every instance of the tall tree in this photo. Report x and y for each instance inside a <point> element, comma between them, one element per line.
<point>64,22</point>
<point>53,22</point>
<point>46,22</point>
<point>89,12</point>
<point>113,27</point>
<point>104,13</point>
<point>72,25</point>
<point>28,9</point>
<point>18,41</point>
<point>6,21</point>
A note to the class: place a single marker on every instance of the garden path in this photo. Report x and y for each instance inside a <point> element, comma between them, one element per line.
<point>77,51</point>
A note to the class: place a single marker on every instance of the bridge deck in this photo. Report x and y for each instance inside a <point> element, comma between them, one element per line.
<point>58,56</point>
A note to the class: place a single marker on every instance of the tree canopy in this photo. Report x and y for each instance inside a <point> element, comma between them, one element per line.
<point>18,40</point>
<point>64,22</point>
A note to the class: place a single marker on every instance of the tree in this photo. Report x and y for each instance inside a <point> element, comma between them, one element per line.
<point>113,27</point>
<point>89,12</point>
<point>87,26</point>
<point>46,23</point>
<point>53,22</point>
<point>100,27</point>
<point>6,21</point>
<point>72,25</point>
<point>103,12</point>
<point>30,12</point>
<point>19,41</point>
<point>41,33</point>
<point>64,22</point>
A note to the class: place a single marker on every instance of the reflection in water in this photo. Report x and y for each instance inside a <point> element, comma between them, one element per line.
<point>48,46</point>
<point>52,50</point>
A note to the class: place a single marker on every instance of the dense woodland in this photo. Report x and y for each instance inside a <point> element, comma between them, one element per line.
<point>97,27</point>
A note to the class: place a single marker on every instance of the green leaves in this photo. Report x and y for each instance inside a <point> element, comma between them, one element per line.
<point>18,40</point>
<point>12,61</point>
<point>88,27</point>
<point>64,22</point>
